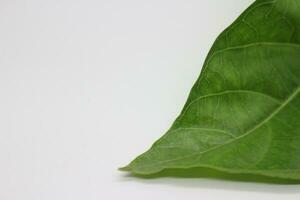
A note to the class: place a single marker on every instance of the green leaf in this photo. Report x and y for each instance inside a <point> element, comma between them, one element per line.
<point>243,113</point>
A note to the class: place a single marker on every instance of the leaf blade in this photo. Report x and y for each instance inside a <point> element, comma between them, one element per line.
<point>248,86</point>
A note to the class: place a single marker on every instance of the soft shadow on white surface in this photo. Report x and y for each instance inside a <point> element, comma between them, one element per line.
<point>214,184</point>
<point>87,85</point>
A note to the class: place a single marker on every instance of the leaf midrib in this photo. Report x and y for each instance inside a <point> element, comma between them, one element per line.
<point>277,110</point>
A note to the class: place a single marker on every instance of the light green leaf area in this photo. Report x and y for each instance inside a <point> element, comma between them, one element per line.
<point>243,113</point>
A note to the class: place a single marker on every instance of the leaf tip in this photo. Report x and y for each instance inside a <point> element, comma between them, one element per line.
<point>125,169</point>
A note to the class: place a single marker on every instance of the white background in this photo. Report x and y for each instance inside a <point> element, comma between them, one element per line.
<point>85,86</point>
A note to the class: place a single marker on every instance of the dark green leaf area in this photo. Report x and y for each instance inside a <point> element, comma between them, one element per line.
<point>243,113</point>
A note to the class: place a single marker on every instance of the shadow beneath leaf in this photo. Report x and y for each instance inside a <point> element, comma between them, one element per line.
<point>215,174</point>
<point>214,179</point>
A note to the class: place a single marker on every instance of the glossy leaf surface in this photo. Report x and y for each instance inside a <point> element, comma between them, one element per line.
<point>243,113</point>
